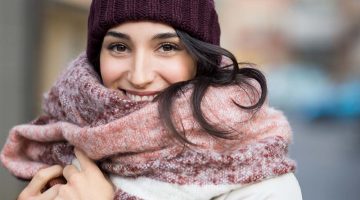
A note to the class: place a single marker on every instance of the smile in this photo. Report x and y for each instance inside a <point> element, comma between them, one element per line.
<point>140,96</point>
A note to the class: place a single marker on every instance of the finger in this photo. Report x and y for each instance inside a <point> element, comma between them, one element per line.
<point>69,171</point>
<point>66,192</point>
<point>85,162</point>
<point>50,193</point>
<point>42,178</point>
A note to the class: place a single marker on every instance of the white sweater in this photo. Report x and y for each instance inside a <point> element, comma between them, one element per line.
<point>285,187</point>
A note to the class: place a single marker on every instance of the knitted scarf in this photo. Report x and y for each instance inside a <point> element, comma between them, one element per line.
<point>129,139</point>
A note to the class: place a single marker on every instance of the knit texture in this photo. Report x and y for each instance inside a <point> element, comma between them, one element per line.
<point>129,139</point>
<point>196,17</point>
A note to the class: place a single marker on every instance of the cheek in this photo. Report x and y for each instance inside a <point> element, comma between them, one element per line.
<point>111,71</point>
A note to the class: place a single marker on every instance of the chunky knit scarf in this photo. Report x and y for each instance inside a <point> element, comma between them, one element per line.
<point>128,138</point>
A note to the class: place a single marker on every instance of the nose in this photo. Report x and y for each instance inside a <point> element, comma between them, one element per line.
<point>140,74</point>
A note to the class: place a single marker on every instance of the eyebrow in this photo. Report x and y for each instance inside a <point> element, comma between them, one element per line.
<point>156,37</point>
<point>165,36</point>
<point>118,35</point>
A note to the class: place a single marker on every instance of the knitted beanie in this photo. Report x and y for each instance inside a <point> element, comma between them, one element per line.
<point>198,18</point>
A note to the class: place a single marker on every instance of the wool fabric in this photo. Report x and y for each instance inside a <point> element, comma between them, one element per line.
<point>196,17</point>
<point>128,139</point>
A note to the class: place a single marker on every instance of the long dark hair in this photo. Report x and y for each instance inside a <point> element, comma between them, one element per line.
<point>209,73</point>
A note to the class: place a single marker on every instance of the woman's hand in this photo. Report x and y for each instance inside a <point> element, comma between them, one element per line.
<point>85,184</point>
<point>33,190</point>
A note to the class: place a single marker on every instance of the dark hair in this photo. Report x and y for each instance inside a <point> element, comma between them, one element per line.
<point>209,73</point>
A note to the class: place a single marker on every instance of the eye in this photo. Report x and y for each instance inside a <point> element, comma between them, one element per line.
<point>167,47</point>
<point>119,48</point>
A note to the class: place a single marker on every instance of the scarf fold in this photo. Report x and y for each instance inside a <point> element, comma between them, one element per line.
<point>128,138</point>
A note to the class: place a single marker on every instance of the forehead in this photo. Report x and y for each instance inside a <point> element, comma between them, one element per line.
<point>143,28</point>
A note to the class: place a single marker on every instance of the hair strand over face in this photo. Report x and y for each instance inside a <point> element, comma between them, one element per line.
<point>209,73</point>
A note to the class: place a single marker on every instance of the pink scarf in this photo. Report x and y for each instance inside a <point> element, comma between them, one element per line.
<point>129,139</point>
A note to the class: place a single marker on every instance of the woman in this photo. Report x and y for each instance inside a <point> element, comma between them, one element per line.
<point>159,108</point>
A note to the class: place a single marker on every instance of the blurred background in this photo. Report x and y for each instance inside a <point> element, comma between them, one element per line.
<point>308,49</point>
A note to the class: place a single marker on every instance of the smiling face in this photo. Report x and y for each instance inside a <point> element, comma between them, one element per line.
<point>143,58</point>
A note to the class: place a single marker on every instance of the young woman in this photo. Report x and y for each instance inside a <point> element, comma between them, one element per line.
<point>155,109</point>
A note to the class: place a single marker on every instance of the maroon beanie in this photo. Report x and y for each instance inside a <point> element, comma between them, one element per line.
<point>196,17</point>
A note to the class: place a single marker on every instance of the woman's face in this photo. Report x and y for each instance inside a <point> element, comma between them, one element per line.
<point>143,58</point>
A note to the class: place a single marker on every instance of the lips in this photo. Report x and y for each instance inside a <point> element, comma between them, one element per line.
<point>140,96</point>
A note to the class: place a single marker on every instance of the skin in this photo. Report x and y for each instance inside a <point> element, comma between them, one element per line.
<point>32,191</point>
<point>138,58</point>
<point>87,183</point>
<point>135,61</point>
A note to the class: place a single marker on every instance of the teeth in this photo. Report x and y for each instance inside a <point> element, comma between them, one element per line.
<point>140,98</point>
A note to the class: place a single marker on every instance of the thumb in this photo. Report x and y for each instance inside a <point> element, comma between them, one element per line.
<point>82,162</point>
